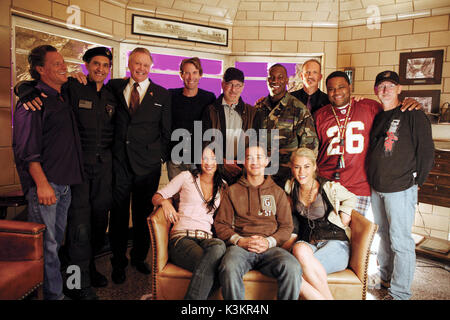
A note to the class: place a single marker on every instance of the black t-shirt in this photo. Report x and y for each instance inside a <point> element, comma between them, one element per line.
<point>401,150</point>
<point>186,110</point>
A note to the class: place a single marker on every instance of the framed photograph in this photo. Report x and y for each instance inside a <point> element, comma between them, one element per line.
<point>164,28</point>
<point>423,67</point>
<point>429,99</point>
<point>350,72</point>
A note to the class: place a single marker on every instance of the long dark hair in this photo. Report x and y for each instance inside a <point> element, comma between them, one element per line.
<point>218,182</point>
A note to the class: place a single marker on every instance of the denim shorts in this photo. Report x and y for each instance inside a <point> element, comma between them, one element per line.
<point>334,255</point>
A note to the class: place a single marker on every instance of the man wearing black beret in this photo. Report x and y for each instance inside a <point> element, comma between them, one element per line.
<point>94,107</point>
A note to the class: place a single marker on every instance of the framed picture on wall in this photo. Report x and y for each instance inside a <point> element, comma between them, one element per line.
<point>424,67</point>
<point>165,28</point>
<point>429,99</point>
<point>350,72</point>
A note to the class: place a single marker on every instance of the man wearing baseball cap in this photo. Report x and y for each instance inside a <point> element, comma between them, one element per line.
<point>232,116</point>
<point>94,107</point>
<point>400,157</point>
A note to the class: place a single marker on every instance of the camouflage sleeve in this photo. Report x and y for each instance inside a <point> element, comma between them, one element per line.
<point>306,133</point>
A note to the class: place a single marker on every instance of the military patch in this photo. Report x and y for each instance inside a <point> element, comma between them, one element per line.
<point>268,206</point>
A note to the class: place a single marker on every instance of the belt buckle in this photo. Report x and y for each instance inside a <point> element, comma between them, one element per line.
<point>198,234</point>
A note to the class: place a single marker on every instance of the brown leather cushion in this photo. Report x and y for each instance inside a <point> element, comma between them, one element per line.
<point>25,227</point>
<point>174,271</point>
<point>346,276</point>
<point>18,278</point>
<point>21,240</point>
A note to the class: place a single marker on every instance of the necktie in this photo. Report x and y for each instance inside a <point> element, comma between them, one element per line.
<point>308,103</point>
<point>134,98</point>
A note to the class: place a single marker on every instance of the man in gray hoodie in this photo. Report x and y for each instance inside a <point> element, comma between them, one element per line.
<point>255,219</point>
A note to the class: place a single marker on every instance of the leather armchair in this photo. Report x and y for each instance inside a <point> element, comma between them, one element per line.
<point>170,282</point>
<point>21,259</point>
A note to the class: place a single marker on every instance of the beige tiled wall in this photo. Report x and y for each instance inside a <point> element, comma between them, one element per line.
<point>372,51</point>
<point>278,27</point>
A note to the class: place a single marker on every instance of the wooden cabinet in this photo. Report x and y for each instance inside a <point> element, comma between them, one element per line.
<point>436,189</point>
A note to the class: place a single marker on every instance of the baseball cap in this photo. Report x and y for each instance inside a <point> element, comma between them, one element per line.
<point>387,75</point>
<point>233,74</point>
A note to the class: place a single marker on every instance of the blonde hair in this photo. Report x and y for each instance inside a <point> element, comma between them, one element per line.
<point>306,153</point>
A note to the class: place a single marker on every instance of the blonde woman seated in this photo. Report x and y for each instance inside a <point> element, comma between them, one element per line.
<point>191,244</point>
<point>321,214</point>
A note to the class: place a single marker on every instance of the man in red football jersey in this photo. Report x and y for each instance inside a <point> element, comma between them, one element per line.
<point>343,128</point>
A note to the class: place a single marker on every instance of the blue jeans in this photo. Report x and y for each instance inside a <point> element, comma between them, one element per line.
<point>55,218</point>
<point>202,258</point>
<point>394,214</point>
<point>333,255</point>
<point>275,262</point>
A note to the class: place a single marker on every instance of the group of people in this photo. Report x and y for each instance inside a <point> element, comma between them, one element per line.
<point>91,148</point>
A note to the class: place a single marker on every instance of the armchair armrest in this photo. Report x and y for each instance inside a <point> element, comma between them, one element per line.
<point>159,235</point>
<point>290,243</point>
<point>363,232</point>
<point>21,240</point>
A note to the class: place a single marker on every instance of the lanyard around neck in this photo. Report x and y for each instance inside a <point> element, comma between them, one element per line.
<point>344,128</point>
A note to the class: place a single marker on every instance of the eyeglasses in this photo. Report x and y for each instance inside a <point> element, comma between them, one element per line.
<point>388,87</point>
<point>236,85</point>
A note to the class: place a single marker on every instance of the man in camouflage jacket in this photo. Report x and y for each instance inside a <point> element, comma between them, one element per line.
<point>280,110</point>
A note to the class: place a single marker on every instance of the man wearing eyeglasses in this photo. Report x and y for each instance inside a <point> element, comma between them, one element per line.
<point>233,117</point>
<point>280,110</point>
<point>401,156</point>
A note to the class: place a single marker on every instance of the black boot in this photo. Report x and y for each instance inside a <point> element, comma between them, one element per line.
<point>98,280</point>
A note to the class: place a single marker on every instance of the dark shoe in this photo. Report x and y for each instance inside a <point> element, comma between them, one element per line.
<point>118,275</point>
<point>81,294</point>
<point>388,297</point>
<point>98,280</point>
<point>141,266</point>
